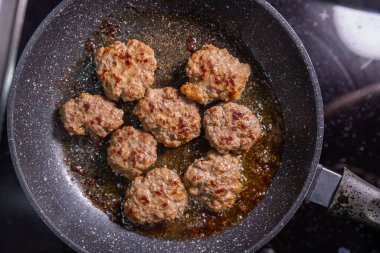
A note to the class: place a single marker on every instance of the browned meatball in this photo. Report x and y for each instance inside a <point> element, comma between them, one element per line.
<point>215,74</point>
<point>214,180</point>
<point>91,114</point>
<point>231,127</point>
<point>126,70</point>
<point>158,197</point>
<point>131,151</point>
<point>171,118</point>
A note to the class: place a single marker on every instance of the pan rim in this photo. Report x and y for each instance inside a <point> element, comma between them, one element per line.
<point>319,119</point>
<point>12,146</point>
<point>276,229</point>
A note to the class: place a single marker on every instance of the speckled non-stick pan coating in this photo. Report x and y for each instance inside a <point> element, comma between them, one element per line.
<point>38,156</point>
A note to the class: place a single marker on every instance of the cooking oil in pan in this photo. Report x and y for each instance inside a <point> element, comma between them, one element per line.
<point>173,37</point>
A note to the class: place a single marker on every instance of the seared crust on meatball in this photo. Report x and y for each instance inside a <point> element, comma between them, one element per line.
<point>156,198</point>
<point>231,127</point>
<point>126,70</point>
<point>215,74</point>
<point>131,151</point>
<point>214,180</point>
<point>171,118</point>
<point>91,114</point>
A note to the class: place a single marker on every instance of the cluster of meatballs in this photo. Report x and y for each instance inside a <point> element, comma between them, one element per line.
<point>170,117</point>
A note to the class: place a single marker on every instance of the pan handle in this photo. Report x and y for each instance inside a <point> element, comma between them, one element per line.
<point>347,196</point>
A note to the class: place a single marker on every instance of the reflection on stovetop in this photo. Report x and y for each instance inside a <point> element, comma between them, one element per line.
<point>344,46</point>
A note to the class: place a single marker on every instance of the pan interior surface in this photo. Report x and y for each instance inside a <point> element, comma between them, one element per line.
<point>37,148</point>
<point>173,39</point>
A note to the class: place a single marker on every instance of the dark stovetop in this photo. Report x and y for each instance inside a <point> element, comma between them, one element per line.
<point>344,45</point>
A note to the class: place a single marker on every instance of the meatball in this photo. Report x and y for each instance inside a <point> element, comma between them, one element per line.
<point>231,127</point>
<point>214,180</point>
<point>156,198</point>
<point>171,118</point>
<point>131,151</point>
<point>215,74</point>
<point>91,114</point>
<point>126,70</point>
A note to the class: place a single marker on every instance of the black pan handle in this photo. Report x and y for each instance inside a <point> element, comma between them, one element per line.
<point>347,196</point>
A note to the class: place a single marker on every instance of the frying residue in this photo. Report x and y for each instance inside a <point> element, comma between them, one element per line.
<point>172,36</point>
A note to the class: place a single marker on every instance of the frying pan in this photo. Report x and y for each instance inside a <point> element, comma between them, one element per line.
<point>38,158</point>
